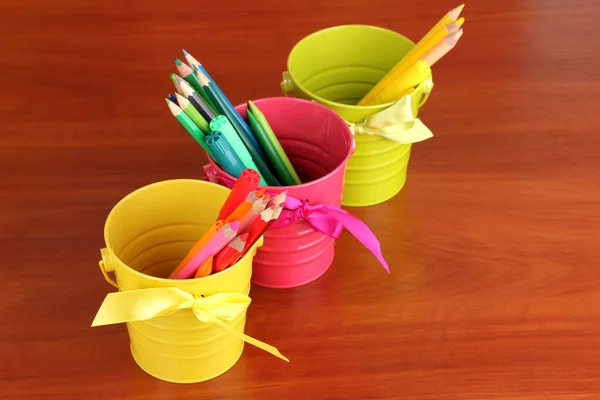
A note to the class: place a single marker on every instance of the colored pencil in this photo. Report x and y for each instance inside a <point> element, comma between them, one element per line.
<point>266,198</point>
<point>438,35</point>
<point>279,198</point>
<point>246,183</point>
<point>218,225</point>
<point>259,226</point>
<point>413,55</point>
<point>242,210</point>
<point>450,17</point>
<point>172,97</point>
<point>195,64</point>
<point>188,74</point>
<point>455,26</point>
<point>197,101</point>
<point>283,174</point>
<point>212,247</point>
<point>189,125</point>
<point>412,77</point>
<point>442,48</point>
<point>225,108</point>
<point>264,123</point>
<point>176,79</point>
<point>199,70</point>
<point>257,207</point>
<point>205,268</point>
<point>191,112</point>
<point>230,253</point>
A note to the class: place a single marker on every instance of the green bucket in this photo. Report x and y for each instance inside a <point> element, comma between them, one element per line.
<point>336,67</point>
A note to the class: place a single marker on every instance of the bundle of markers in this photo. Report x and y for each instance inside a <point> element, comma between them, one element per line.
<point>415,67</point>
<point>206,113</point>
<point>244,217</point>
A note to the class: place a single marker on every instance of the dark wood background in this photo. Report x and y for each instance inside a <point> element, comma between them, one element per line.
<point>493,243</point>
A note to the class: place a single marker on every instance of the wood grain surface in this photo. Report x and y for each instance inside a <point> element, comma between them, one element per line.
<point>493,243</point>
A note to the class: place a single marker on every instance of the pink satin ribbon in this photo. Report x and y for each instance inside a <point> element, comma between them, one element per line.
<point>324,218</point>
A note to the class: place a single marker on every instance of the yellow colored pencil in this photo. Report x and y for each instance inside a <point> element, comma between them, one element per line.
<point>412,77</point>
<point>442,48</point>
<point>447,19</point>
<point>414,55</point>
<point>455,26</point>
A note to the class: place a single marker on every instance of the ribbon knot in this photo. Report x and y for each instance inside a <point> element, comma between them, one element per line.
<point>398,123</point>
<point>357,128</point>
<point>325,218</point>
<point>218,309</point>
<point>300,213</point>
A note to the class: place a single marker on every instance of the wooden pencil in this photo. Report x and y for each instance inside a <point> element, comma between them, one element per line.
<point>197,101</point>
<point>442,48</point>
<point>188,74</point>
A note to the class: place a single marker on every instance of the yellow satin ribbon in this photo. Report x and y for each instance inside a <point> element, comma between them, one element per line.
<point>144,304</point>
<point>398,123</point>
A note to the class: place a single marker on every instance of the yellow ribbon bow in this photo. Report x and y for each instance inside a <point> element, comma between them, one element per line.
<point>398,123</point>
<point>144,304</point>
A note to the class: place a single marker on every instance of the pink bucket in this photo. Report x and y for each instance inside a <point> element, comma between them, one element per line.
<point>318,143</point>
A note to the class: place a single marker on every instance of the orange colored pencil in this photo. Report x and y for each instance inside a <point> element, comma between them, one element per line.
<point>199,245</point>
<point>205,268</point>
<point>243,209</point>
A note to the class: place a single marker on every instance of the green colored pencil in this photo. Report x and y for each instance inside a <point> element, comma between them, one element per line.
<point>273,139</point>
<point>176,80</point>
<point>188,74</point>
<point>263,169</point>
<point>189,125</point>
<point>270,150</point>
<point>191,112</point>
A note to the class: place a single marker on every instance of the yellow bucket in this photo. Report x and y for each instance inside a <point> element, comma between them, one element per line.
<point>147,233</point>
<point>336,67</point>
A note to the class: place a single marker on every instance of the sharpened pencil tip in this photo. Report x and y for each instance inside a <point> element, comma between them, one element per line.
<point>185,53</point>
<point>178,62</point>
<point>455,13</point>
<point>168,101</point>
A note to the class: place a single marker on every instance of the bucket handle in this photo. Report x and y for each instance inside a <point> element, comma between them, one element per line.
<point>425,89</point>
<point>106,266</point>
<point>287,85</point>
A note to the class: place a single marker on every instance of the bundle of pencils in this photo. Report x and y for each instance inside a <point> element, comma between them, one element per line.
<point>415,66</point>
<point>244,217</point>
<point>230,140</point>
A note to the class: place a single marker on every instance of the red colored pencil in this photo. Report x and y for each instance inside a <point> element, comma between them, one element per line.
<point>230,253</point>
<point>258,227</point>
<point>246,183</point>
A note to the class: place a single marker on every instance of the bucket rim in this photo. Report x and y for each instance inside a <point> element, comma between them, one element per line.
<point>312,182</point>
<point>329,29</point>
<point>108,244</point>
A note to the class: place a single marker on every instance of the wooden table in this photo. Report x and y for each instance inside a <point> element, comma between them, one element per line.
<point>493,243</point>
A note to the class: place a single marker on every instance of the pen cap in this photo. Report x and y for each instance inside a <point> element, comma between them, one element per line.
<point>223,151</point>
<point>246,183</point>
<point>364,53</point>
<point>222,124</point>
<point>146,234</point>
<point>319,143</point>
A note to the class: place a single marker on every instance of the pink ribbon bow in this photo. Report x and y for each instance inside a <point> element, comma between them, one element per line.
<point>324,218</point>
